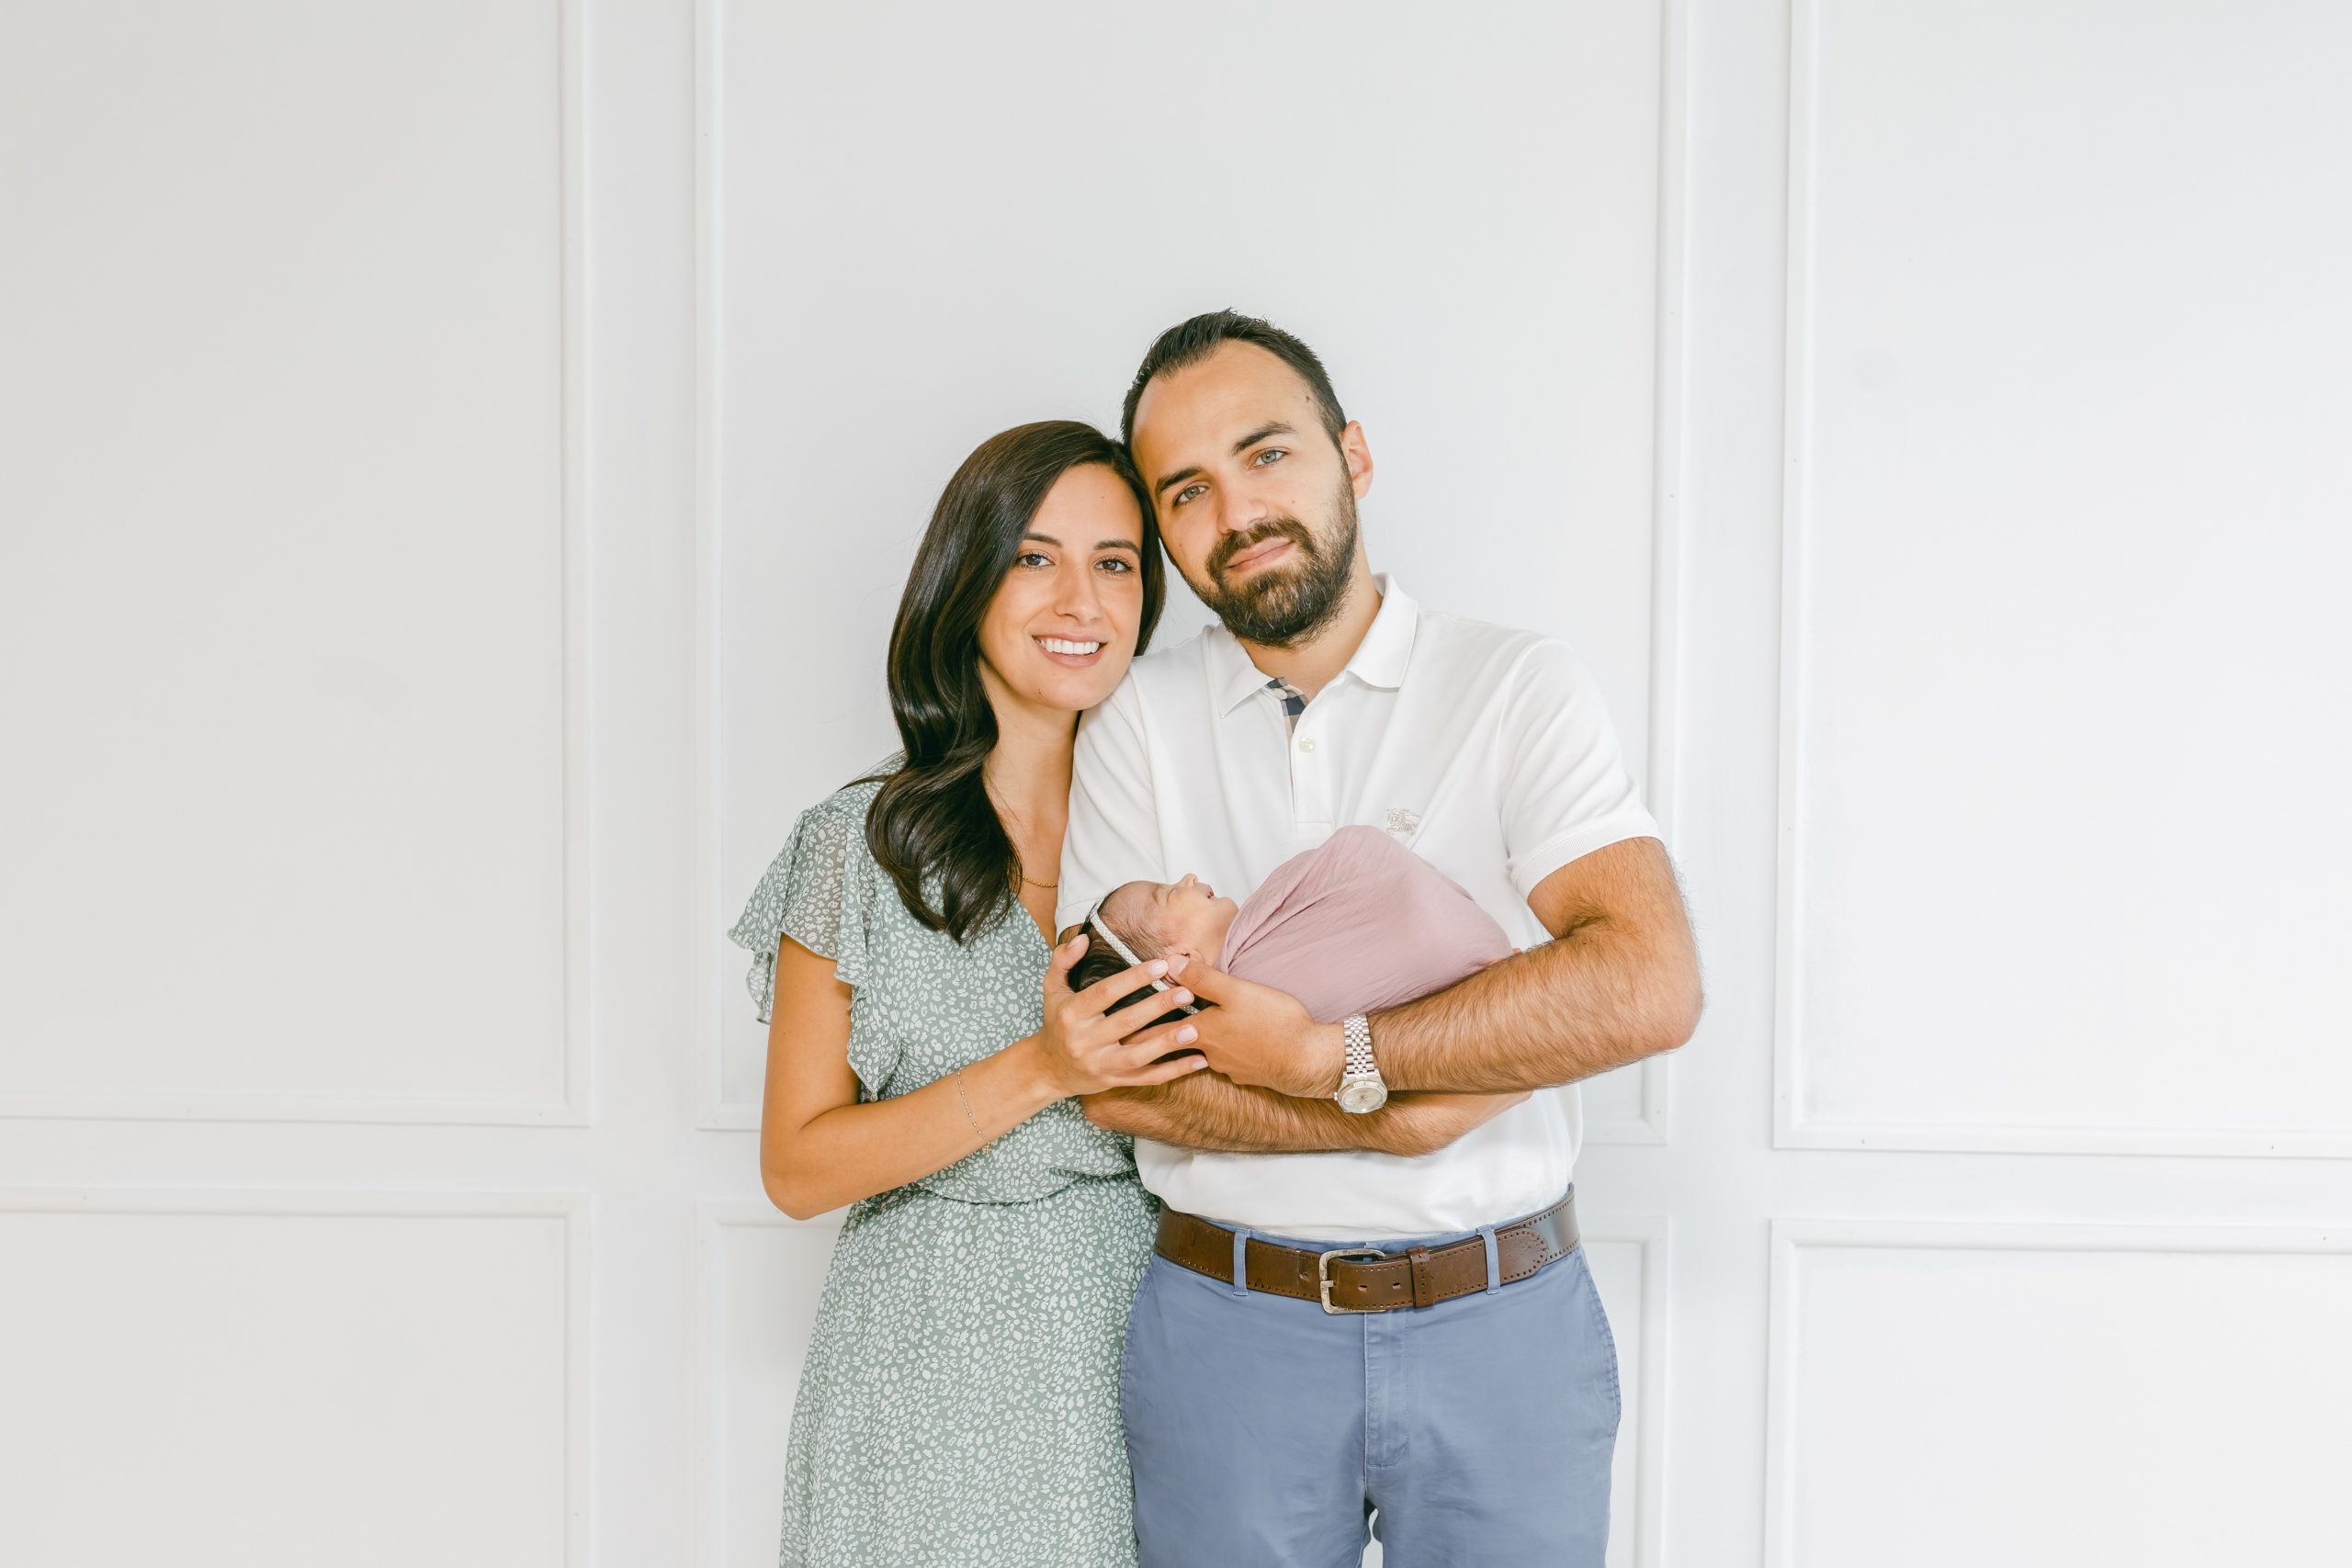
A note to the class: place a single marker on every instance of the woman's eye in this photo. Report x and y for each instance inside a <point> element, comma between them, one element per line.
<point>1187,493</point>
<point>1117,564</point>
<point>1031,559</point>
<point>1271,455</point>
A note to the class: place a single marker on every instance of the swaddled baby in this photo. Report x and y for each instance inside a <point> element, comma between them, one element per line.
<point>1357,924</point>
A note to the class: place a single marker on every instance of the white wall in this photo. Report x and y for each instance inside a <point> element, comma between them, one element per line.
<point>458,465</point>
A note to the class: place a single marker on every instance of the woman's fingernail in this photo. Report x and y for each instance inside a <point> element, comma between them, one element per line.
<point>1157,967</point>
<point>1199,1062</point>
<point>1187,1034</point>
<point>1179,996</point>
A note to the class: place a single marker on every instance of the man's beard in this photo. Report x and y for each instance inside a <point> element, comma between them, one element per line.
<point>1275,608</point>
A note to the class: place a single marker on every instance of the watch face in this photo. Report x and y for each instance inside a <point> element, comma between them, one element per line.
<point>1360,1095</point>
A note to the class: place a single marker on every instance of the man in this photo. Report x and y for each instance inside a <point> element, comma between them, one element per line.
<point>1452,1368</point>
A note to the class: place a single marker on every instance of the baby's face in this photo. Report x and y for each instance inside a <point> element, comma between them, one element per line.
<point>1185,916</point>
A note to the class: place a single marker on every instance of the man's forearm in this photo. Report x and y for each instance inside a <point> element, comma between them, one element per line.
<point>1205,1111</point>
<point>1592,1000</point>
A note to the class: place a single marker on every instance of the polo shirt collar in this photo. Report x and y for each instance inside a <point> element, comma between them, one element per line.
<point>1380,659</point>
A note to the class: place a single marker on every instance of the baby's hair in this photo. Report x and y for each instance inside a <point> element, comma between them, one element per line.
<point>1121,914</point>
<point>1101,960</point>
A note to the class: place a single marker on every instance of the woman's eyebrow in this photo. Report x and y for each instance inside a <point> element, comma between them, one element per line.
<point>1128,545</point>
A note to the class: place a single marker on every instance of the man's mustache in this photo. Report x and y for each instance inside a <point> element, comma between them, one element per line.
<point>1232,544</point>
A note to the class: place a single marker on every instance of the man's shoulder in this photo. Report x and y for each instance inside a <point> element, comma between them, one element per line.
<point>1460,648</point>
<point>1171,668</point>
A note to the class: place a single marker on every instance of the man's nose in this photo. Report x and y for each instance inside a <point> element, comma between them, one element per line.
<point>1240,514</point>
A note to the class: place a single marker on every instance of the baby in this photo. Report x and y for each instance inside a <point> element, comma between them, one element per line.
<point>1356,925</point>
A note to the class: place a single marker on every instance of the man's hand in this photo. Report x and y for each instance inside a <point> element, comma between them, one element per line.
<point>1262,1037</point>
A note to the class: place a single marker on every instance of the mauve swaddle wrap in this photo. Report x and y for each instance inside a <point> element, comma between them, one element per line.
<point>1359,924</point>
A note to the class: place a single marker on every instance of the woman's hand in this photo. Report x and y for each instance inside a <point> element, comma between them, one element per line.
<point>1081,1047</point>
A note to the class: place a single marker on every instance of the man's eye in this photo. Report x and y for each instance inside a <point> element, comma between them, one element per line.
<point>1271,455</point>
<point>1187,493</point>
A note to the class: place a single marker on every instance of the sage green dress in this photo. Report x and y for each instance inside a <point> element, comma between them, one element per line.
<point>959,1405</point>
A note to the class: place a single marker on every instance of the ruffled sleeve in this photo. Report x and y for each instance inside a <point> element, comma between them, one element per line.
<point>816,891</point>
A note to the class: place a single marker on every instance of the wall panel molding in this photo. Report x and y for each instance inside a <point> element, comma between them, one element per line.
<point>1793,1239</point>
<point>714,1109</point>
<point>1795,1125</point>
<point>573,1105</point>
<point>706,1338</point>
<point>574,1210</point>
<point>1651,1235</point>
<point>1651,1124</point>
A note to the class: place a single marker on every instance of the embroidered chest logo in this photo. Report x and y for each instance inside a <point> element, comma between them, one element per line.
<point>1401,822</point>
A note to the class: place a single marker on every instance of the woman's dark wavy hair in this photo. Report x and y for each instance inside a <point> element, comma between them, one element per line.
<point>931,825</point>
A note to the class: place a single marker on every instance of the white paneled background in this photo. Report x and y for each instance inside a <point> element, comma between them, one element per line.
<point>457,467</point>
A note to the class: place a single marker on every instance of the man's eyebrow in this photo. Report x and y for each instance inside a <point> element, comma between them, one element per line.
<point>1180,475</point>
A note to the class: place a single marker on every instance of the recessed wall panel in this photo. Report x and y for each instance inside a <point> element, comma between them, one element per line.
<point>1955,1395</point>
<point>2065,663</point>
<point>1483,278</point>
<point>761,1279</point>
<point>282,586</point>
<point>283,1388</point>
<point>1628,1266</point>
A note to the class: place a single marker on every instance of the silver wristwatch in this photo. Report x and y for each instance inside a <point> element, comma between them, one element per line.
<point>1360,1085</point>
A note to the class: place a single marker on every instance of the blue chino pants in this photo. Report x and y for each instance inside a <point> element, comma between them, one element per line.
<point>1264,1432</point>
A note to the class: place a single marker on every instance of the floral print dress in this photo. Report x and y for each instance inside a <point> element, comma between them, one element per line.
<point>959,1405</point>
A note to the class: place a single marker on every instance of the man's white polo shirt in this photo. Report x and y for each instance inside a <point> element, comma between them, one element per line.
<point>1487,750</point>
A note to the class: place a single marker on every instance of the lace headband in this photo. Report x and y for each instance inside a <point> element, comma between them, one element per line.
<point>1093,922</point>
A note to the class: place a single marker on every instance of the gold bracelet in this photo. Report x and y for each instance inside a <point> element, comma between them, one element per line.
<point>965,1100</point>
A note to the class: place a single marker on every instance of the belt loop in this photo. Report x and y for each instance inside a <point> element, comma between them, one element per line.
<point>1494,1259</point>
<point>1242,1260</point>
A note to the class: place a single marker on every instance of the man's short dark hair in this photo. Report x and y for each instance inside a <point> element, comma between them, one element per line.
<point>1189,342</point>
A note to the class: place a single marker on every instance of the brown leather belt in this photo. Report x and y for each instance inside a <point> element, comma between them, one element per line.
<point>1364,1279</point>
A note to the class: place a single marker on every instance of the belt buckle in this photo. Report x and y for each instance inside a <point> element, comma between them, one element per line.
<point>1323,1275</point>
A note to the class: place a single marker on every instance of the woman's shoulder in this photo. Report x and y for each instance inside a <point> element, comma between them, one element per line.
<point>843,811</point>
<point>827,849</point>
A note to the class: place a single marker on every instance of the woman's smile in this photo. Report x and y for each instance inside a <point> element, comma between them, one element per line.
<point>1073,653</point>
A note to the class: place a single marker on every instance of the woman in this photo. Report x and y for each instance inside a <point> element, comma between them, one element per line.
<point>960,1404</point>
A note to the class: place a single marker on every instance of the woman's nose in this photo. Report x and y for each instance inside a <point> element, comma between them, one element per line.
<point>1075,595</point>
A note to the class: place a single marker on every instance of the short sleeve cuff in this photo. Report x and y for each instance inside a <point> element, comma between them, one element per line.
<point>1529,870</point>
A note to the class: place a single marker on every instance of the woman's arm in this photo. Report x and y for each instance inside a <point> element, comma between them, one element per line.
<point>820,1148</point>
